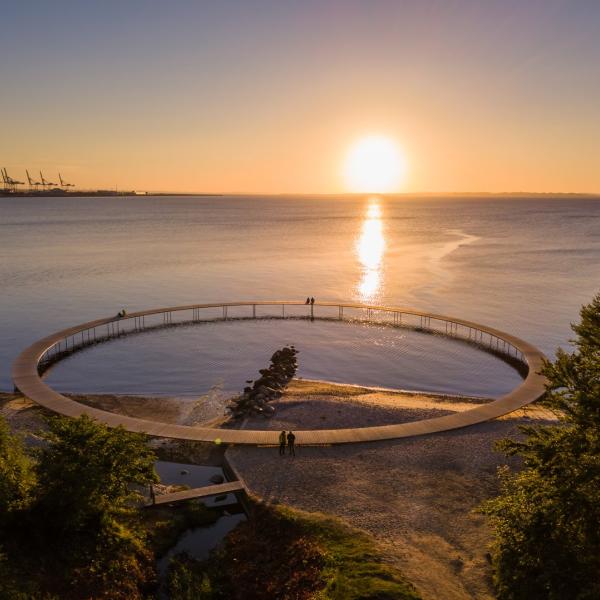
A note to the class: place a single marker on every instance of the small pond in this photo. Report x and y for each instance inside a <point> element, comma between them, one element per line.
<point>199,541</point>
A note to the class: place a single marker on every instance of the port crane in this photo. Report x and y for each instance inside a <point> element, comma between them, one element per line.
<point>63,183</point>
<point>32,184</point>
<point>45,183</point>
<point>10,184</point>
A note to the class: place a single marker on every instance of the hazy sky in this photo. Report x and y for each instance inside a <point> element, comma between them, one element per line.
<point>268,96</point>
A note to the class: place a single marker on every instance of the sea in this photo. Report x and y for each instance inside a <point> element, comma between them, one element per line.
<point>522,265</point>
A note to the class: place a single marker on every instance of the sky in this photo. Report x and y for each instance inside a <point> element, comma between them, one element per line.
<point>269,96</point>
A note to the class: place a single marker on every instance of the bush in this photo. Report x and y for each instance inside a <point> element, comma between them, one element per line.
<point>187,579</point>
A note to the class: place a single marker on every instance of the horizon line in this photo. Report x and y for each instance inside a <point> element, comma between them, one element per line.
<point>362,194</point>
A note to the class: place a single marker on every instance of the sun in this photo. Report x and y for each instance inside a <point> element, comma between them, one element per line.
<point>374,164</point>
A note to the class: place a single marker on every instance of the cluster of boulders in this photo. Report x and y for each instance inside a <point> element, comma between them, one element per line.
<point>254,400</point>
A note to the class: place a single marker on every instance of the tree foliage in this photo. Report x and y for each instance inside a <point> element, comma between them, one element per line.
<point>87,470</point>
<point>16,472</point>
<point>547,516</point>
<point>75,533</point>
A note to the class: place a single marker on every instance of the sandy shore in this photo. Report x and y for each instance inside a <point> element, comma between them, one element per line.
<point>387,406</point>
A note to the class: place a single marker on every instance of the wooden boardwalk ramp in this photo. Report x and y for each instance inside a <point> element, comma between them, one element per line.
<point>201,492</point>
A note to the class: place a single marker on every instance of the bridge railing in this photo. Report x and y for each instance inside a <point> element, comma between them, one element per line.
<point>105,329</point>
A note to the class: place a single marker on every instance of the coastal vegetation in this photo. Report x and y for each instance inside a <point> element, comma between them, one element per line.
<point>70,526</point>
<point>546,518</point>
<point>281,552</point>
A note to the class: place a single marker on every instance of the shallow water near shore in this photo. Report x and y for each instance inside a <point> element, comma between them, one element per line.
<point>522,265</point>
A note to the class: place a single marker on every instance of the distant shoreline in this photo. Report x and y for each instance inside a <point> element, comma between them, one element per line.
<point>93,194</point>
<point>467,195</point>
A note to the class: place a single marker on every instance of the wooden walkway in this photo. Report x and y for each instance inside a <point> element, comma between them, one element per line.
<point>201,492</point>
<point>25,371</point>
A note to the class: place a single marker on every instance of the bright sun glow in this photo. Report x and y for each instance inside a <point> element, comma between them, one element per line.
<point>374,165</point>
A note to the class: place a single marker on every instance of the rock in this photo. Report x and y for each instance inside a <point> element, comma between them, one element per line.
<point>216,478</point>
<point>269,386</point>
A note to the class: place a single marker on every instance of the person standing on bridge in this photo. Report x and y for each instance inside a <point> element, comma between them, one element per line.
<point>282,443</point>
<point>291,438</point>
<point>312,301</point>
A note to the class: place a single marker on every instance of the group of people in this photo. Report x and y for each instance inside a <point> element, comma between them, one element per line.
<point>288,439</point>
<point>310,301</point>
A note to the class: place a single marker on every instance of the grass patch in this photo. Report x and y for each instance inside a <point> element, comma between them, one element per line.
<point>322,388</point>
<point>353,564</point>
<point>282,553</point>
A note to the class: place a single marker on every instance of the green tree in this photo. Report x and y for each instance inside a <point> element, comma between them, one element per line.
<point>547,516</point>
<point>16,473</point>
<point>85,516</point>
<point>87,470</point>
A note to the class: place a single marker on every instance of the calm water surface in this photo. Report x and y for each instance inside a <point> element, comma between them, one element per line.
<point>522,265</point>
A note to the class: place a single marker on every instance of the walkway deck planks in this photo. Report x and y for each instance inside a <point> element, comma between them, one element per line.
<point>201,492</point>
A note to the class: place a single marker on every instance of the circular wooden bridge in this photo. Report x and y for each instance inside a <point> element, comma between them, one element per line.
<point>30,364</point>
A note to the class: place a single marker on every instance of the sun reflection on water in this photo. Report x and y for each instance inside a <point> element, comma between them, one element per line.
<point>370,248</point>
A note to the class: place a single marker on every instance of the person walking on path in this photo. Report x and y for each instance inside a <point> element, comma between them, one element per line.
<point>282,443</point>
<point>291,438</point>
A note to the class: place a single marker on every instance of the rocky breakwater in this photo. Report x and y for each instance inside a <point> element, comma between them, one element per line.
<point>255,398</point>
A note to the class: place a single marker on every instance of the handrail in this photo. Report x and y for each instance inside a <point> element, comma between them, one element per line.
<point>26,377</point>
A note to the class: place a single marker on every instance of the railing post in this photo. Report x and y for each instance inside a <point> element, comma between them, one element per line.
<point>254,311</point>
